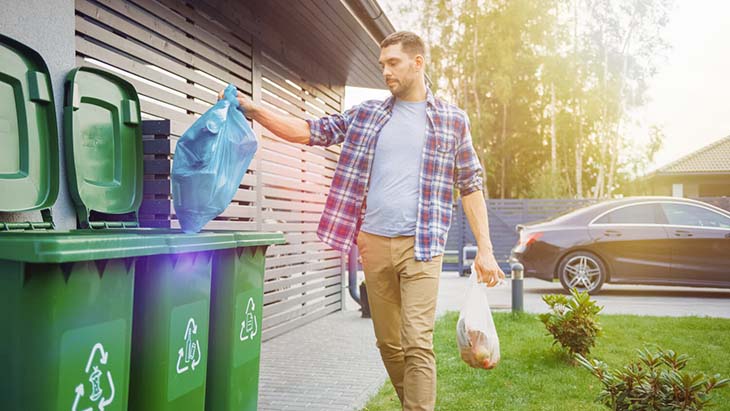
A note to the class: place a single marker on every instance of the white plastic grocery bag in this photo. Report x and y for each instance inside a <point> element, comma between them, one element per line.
<point>475,331</point>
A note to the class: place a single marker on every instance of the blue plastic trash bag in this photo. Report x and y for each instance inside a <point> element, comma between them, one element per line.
<point>210,160</point>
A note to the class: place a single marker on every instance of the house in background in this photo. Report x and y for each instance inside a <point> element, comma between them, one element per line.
<point>703,173</point>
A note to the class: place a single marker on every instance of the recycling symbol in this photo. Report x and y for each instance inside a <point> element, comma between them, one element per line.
<point>249,325</point>
<point>189,355</point>
<point>97,382</point>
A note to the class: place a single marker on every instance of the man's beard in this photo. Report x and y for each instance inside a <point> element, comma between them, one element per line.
<point>401,88</point>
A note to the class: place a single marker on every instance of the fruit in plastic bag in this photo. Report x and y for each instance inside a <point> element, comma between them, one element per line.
<point>475,332</point>
<point>210,160</point>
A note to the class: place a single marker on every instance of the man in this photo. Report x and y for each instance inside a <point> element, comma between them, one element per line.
<point>404,154</point>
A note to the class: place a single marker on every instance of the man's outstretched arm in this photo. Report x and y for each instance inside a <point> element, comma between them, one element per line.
<point>486,265</point>
<point>324,131</point>
<point>290,128</point>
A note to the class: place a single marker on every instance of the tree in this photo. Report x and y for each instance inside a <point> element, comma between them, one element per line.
<point>549,85</point>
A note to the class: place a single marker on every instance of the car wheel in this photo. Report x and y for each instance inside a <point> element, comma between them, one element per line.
<point>582,270</point>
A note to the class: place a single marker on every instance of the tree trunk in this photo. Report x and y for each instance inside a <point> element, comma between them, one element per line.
<point>474,87</point>
<point>612,154</point>
<point>579,141</point>
<point>603,140</point>
<point>579,158</point>
<point>553,142</point>
<point>503,146</point>
<point>616,136</point>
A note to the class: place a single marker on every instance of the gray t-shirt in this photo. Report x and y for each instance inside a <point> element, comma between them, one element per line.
<point>392,201</point>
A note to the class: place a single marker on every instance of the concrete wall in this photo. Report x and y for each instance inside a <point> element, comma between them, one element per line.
<point>47,26</point>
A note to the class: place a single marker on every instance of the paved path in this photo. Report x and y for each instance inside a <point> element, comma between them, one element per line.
<point>329,364</point>
<point>333,363</point>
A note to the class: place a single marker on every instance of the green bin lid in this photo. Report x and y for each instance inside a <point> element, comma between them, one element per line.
<point>28,131</point>
<point>252,239</point>
<point>79,245</point>
<point>103,140</point>
<point>87,245</point>
<point>178,241</point>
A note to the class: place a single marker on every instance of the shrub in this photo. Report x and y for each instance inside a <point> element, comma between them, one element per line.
<point>572,321</point>
<point>653,382</point>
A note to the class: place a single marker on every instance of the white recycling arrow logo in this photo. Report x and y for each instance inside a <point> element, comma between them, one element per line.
<point>188,353</point>
<point>97,392</point>
<point>249,325</point>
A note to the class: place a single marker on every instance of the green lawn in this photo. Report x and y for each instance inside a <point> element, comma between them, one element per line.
<point>533,375</point>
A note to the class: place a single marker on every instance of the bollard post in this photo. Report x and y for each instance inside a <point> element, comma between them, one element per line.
<point>517,287</point>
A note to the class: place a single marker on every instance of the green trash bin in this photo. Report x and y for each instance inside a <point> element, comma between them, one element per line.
<point>173,308</point>
<point>236,313</point>
<point>66,298</point>
<point>171,323</point>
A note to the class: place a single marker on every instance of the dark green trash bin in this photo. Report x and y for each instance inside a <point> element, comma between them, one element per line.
<point>66,299</point>
<point>170,346</point>
<point>236,314</point>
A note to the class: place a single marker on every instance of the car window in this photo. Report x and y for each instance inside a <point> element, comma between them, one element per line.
<point>685,214</point>
<point>635,214</point>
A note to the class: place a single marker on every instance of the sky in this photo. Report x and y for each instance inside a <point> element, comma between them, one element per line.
<point>690,95</point>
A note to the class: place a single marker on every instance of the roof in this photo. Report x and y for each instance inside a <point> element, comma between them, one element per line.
<point>711,159</point>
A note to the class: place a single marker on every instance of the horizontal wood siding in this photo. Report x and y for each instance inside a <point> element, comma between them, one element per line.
<point>303,277</point>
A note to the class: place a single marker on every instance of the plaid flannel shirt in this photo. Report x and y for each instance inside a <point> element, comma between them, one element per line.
<point>448,157</point>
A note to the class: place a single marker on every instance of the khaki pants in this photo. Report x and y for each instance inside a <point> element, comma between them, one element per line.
<point>402,297</point>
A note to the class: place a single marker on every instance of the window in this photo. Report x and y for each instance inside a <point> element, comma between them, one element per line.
<point>690,215</point>
<point>635,214</point>
<point>677,190</point>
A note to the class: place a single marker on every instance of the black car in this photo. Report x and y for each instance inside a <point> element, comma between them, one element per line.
<point>638,240</point>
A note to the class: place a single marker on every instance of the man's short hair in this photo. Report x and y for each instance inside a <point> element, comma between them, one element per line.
<point>409,41</point>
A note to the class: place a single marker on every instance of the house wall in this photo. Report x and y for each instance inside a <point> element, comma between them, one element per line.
<point>693,186</point>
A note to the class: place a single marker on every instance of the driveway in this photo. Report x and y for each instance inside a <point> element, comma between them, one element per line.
<point>616,299</point>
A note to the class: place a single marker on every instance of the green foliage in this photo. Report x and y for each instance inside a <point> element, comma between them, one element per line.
<point>636,165</point>
<point>549,185</point>
<point>501,61</point>
<point>531,377</point>
<point>655,381</point>
<point>572,321</point>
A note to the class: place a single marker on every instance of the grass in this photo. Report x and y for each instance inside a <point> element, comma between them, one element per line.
<point>534,375</point>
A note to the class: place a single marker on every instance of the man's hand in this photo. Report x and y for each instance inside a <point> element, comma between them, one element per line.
<point>290,128</point>
<point>488,270</point>
<point>244,101</point>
